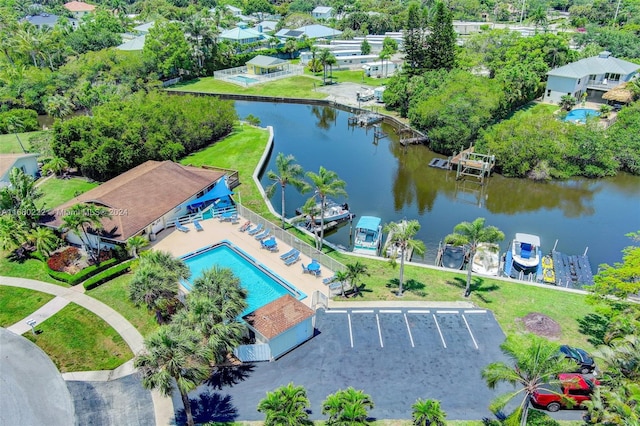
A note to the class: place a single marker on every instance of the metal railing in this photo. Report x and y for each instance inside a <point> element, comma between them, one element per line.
<point>291,240</point>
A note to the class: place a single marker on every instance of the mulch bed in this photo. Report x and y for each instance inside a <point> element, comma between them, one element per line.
<point>541,325</point>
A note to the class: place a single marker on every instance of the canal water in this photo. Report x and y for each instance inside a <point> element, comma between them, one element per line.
<point>395,182</point>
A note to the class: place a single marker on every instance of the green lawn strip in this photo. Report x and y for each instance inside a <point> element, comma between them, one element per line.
<point>30,268</point>
<point>115,294</point>
<point>349,76</point>
<point>292,87</point>
<point>77,340</point>
<point>57,191</point>
<point>241,151</point>
<point>9,144</point>
<point>18,303</point>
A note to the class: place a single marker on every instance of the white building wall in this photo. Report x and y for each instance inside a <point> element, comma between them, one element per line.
<point>557,87</point>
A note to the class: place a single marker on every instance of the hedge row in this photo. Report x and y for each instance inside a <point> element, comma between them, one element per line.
<point>82,275</point>
<point>107,275</point>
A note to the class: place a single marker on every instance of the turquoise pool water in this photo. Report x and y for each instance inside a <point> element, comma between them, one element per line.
<point>580,115</point>
<point>243,79</point>
<point>262,285</point>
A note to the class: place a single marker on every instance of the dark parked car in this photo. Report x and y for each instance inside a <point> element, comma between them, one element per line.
<point>572,386</point>
<point>586,364</point>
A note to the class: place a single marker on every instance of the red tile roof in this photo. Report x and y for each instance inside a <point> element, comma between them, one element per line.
<point>141,195</point>
<point>79,6</point>
<point>278,316</point>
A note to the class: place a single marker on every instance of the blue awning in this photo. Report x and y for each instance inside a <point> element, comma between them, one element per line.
<point>219,191</point>
<point>369,222</point>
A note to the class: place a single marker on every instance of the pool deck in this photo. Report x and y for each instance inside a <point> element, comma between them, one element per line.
<point>180,243</point>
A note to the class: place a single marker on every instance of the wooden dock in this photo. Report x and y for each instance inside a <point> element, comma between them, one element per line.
<point>414,141</point>
<point>470,163</point>
<point>571,271</point>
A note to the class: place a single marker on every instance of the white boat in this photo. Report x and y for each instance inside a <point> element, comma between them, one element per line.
<point>392,250</point>
<point>451,256</point>
<point>368,235</point>
<point>486,261</point>
<point>333,212</point>
<point>525,251</point>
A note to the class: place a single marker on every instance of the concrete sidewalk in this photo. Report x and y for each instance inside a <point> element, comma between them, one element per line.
<point>49,309</point>
<point>163,406</point>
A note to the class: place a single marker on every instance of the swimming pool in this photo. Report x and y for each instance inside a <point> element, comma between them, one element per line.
<point>243,79</point>
<point>580,115</point>
<point>262,285</point>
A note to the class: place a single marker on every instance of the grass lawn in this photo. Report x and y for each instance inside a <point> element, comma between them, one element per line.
<point>30,268</point>
<point>9,144</point>
<point>57,191</point>
<point>239,151</point>
<point>115,293</point>
<point>292,87</point>
<point>78,340</point>
<point>18,303</point>
<point>351,76</point>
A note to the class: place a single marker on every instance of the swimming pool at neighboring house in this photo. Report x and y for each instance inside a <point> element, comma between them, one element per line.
<point>244,79</point>
<point>263,286</point>
<point>580,115</point>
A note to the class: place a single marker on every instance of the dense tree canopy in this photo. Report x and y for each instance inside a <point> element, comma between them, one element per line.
<point>154,126</point>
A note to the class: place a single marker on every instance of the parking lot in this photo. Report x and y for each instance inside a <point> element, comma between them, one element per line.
<point>394,355</point>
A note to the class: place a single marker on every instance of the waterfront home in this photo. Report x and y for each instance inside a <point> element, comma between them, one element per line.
<point>594,76</point>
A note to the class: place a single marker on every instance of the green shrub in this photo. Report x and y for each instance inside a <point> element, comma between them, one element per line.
<point>27,118</point>
<point>82,275</point>
<point>107,275</point>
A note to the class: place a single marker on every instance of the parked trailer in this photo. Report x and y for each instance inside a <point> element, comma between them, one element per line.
<point>379,69</point>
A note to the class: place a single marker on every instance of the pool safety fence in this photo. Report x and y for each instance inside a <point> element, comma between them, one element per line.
<point>239,75</point>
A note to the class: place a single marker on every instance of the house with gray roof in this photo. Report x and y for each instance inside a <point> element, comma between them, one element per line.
<point>28,163</point>
<point>322,12</point>
<point>310,31</point>
<point>594,76</point>
<point>135,44</point>
<point>242,35</point>
<point>262,64</point>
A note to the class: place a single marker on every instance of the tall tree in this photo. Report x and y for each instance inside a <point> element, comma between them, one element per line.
<point>287,172</point>
<point>427,412</point>
<point>355,272</point>
<point>365,47</point>
<point>44,240</point>
<point>347,407</point>
<point>621,279</point>
<point>472,233</point>
<point>84,218</point>
<point>153,287</point>
<point>534,363</point>
<point>13,233</point>
<point>326,184</point>
<point>324,57</point>
<point>286,406</point>
<point>167,48</point>
<point>415,40</point>
<point>173,356</point>
<point>441,41</point>
<point>19,198</point>
<point>402,234</point>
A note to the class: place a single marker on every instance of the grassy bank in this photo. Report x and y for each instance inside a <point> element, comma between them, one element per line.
<point>57,191</point>
<point>18,303</point>
<point>9,143</point>
<point>78,340</point>
<point>293,87</point>
<point>29,268</point>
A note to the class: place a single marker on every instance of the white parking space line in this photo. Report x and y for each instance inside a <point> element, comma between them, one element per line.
<point>409,330</point>
<point>447,312</point>
<point>470,333</point>
<point>475,311</point>
<point>362,311</point>
<point>439,331</point>
<point>390,311</point>
<point>379,331</point>
<point>336,312</point>
<point>350,331</point>
<point>418,311</point>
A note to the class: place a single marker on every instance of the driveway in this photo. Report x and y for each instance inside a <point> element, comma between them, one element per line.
<point>395,355</point>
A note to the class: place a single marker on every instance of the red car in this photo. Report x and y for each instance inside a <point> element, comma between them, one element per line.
<point>572,385</point>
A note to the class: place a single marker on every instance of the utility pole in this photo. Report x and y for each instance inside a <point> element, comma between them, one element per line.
<point>522,12</point>
<point>615,16</point>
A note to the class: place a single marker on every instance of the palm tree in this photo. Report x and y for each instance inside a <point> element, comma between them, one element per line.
<point>326,184</point>
<point>347,407</point>
<point>402,234</point>
<point>13,233</point>
<point>324,57</point>
<point>472,233</point>
<point>58,106</point>
<point>290,46</point>
<point>21,196</point>
<point>173,356</point>
<point>567,102</point>
<point>174,267</point>
<point>340,277</point>
<point>427,412</point>
<point>288,172</point>
<point>355,272</point>
<point>44,240</point>
<point>85,217</point>
<point>135,243</point>
<point>286,406</point>
<point>214,305</point>
<point>56,165</point>
<point>152,287</point>
<point>535,362</point>
<point>384,55</point>
<point>14,125</point>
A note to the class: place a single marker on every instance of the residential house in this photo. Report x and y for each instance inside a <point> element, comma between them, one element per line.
<point>262,64</point>
<point>322,12</point>
<point>43,20</point>
<point>134,44</point>
<point>266,26</point>
<point>28,163</point>
<point>594,76</point>
<point>79,8</point>
<point>142,201</point>
<point>242,35</point>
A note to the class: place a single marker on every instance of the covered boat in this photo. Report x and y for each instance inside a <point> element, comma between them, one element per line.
<point>368,235</point>
<point>525,251</point>
<point>486,260</point>
<point>451,256</point>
